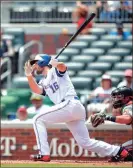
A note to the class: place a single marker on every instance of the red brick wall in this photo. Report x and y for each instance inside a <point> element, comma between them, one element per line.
<point>50,42</point>
<point>11,138</point>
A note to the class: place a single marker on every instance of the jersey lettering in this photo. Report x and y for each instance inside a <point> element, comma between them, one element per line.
<point>54,87</point>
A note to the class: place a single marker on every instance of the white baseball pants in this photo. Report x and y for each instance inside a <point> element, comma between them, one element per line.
<point>72,113</point>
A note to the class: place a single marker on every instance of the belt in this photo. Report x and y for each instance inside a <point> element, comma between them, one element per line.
<point>69,98</point>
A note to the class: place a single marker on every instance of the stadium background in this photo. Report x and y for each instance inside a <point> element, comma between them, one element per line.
<point>44,27</point>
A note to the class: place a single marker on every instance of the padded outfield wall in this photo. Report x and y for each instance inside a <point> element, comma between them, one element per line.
<point>18,140</point>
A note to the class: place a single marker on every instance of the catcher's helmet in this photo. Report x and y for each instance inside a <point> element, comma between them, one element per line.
<point>121,96</point>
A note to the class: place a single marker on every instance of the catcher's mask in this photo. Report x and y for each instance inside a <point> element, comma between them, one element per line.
<point>121,96</point>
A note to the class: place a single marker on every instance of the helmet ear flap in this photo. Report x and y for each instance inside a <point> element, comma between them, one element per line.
<point>41,63</point>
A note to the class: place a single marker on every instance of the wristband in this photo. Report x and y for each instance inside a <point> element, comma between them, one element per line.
<point>110,118</point>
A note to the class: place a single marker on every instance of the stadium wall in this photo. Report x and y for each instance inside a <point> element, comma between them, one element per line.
<point>18,140</point>
<point>52,36</point>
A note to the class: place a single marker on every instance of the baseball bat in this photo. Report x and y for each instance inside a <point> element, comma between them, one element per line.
<point>92,15</point>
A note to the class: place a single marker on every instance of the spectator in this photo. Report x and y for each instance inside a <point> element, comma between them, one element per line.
<point>1,53</point>
<point>79,16</point>
<point>37,104</point>
<point>127,79</point>
<point>22,114</point>
<point>128,9</point>
<point>110,11</point>
<point>7,47</point>
<point>100,97</point>
<point>4,46</point>
<point>120,31</point>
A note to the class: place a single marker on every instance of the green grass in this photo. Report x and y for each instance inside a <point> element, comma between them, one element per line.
<point>43,165</point>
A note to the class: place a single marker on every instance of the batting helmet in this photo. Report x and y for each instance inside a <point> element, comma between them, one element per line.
<point>41,59</point>
<point>121,96</point>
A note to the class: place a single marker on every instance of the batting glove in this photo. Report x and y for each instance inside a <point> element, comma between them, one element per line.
<point>53,62</point>
<point>28,69</point>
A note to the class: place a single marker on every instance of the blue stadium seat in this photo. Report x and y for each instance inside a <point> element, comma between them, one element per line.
<point>69,51</point>
<point>102,44</point>
<point>89,73</point>
<point>82,83</point>
<point>130,38</point>
<point>125,44</point>
<point>71,73</point>
<point>97,31</point>
<point>87,38</point>
<point>63,58</point>
<point>108,58</point>
<point>83,58</point>
<point>79,44</point>
<point>119,51</point>
<point>116,73</point>
<point>102,66</point>
<point>111,38</point>
<point>75,66</point>
<point>93,51</point>
<point>20,82</point>
<point>122,66</point>
<point>128,58</point>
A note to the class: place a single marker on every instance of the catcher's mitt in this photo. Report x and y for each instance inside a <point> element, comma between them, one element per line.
<point>97,119</point>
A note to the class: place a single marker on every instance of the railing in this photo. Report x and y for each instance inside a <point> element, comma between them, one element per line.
<point>22,53</point>
<point>7,73</point>
<point>57,12</point>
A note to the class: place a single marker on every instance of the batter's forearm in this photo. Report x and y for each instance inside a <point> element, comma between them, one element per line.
<point>33,85</point>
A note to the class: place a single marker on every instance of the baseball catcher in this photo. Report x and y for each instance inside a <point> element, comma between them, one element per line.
<point>122,98</point>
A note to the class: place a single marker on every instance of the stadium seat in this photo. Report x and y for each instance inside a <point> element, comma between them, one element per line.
<point>23,95</point>
<point>102,44</point>
<point>3,111</point>
<point>87,38</point>
<point>79,44</point>
<point>18,33</point>
<point>69,51</point>
<point>20,82</point>
<point>130,38</point>
<point>116,73</point>
<point>11,104</point>
<point>63,58</point>
<point>89,73</point>
<point>75,67</point>
<point>93,51</point>
<point>111,38</point>
<point>97,31</point>
<point>82,83</point>
<point>128,58</point>
<point>108,58</point>
<point>102,66</point>
<point>71,73</point>
<point>124,44</point>
<point>123,66</point>
<point>83,58</point>
<point>119,51</point>
<point>82,92</point>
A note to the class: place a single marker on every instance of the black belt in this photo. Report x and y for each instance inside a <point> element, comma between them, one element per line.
<point>75,97</point>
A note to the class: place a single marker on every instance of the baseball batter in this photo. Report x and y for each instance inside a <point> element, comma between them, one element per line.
<point>58,86</point>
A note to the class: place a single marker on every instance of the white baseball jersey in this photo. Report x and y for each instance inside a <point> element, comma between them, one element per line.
<point>57,85</point>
